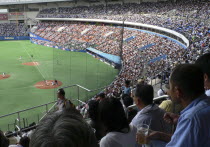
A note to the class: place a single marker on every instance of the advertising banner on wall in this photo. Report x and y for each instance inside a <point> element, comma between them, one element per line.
<point>3,17</point>
<point>16,15</point>
<point>34,36</point>
<point>14,37</point>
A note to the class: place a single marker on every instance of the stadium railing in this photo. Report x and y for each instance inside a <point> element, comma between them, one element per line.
<point>18,120</point>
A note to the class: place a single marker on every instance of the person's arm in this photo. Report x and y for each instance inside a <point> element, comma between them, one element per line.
<point>171,118</point>
<point>155,135</point>
<point>188,133</point>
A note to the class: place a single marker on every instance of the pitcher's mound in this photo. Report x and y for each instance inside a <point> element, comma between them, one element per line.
<point>4,77</point>
<point>31,63</point>
<point>48,84</point>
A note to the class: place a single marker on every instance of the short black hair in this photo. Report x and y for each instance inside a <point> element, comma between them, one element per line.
<point>145,93</point>
<point>112,115</point>
<point>189,78</point>
<point>24,141</point>
<point>204,63</point>
<point>93,109</point>
<point>127,82</point>
<point>4,142</point>
<point>127,100</point>
<point>64,128</point>
<point>61,91</point>
<point>102,95</point>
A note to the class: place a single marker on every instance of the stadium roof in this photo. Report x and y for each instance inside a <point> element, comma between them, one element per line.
<point>10,2</point>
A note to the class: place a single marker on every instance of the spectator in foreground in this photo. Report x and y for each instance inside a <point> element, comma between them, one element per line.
<point>193,128</point>
<point>149,113</point>
<point>11,137</point>
<point>24,142</point>
<point>130,112</point>
<point>94,120</point>
<point>65,128</point>
<point>119,133</point>
<point>4,142</point>
<point>204,62</point>
<point>100,96</point>
<point>168,105</point>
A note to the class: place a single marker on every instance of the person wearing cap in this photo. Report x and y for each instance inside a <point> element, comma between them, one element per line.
<point>63,102</point>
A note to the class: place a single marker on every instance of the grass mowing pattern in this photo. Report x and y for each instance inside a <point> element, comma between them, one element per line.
<point>18,92</point>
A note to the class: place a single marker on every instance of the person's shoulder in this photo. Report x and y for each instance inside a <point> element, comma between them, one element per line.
<point>133,129</point>
<point>106,141</point>
<point>200,110</point>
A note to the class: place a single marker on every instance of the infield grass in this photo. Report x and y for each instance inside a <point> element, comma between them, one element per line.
<point>18,91</point>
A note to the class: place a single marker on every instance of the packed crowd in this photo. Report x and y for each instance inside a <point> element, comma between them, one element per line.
<point>13,29</point>
<point>113,124</point>
<point>107,39</point>
<point>190,18</point>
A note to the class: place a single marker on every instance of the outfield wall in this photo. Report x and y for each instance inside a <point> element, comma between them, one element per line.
<point>113,60</point>
<point>14,38</point>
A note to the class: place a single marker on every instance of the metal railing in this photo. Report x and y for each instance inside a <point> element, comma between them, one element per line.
<point>18,117</point>
<point>78,91</point>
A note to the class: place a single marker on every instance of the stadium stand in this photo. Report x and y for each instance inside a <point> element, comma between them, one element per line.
<point>13,29</point>
<point>143,54</point>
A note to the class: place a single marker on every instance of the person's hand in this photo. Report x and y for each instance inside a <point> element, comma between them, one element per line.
<point>153,135</point>
<point>171,118</point>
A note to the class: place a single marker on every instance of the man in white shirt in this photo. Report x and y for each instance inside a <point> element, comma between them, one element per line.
<point>149,113</point>
<point>204,62</point>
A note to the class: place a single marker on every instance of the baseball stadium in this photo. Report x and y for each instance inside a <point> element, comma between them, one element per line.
<point>108,73</point>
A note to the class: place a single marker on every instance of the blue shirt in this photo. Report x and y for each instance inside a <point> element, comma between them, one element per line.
<point>126,90</point>
<point>193,129</point>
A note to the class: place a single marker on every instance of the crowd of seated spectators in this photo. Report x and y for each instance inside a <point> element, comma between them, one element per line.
<point>189,18</point>
<point>109,125</point>
<point>13,29</point>
<point>107,39</point>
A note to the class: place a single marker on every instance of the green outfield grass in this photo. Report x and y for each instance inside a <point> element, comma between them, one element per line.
<point>18,91</point>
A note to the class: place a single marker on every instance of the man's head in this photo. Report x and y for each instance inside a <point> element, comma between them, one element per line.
<point>61,93</point>
<point>144,95</point>
<point>127,83</point>
<point>100,96</point>
<point>93,109</point>
<point>127,100</point>
<point>4,142</point>
<point>112,115</point>
<point>186,83</point>
<point>63,129</point>
<point>24,141</point>
<point>204,62</point>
